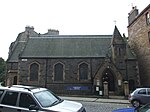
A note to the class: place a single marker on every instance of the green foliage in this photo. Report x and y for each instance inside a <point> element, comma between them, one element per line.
<point>2,69</point>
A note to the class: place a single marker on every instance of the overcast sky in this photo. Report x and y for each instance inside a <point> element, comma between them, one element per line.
<point>70,17</point>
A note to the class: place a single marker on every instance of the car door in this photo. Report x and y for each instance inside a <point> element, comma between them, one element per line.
<point>142,95</point>
<point>148,96</point>
<point>25,101</point>
<point>9,101</point>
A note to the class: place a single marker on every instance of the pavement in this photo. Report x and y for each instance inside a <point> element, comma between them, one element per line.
<point>111,99</point>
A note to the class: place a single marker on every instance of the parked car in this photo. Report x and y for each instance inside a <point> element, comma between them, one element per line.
<point>139,97</point>
<point>145,108</point>
<point>28,99</point>
<point>125,110</point>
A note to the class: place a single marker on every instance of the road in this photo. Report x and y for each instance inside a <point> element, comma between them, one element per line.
<point>93,104</point>
<point>102,107</point>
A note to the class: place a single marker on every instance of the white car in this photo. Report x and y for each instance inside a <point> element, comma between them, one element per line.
<point>19,98</point>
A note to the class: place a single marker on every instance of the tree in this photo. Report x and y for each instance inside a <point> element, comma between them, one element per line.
<point>2,69</point>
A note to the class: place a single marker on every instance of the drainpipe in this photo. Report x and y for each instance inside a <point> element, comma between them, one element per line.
<point>126,69</point>
<point>92,78</point>
<point>46,73</point>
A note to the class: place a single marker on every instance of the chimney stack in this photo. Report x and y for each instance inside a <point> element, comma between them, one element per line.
<point>132,15</point>
<point>53,32</point>
<point>29,28</point>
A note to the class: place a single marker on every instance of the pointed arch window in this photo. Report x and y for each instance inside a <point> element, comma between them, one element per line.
<point>149,36</point>
<point>148,18</point>
<point>58,74</point>
<point>119,51</point>
<point>83,71</point>
<point>15,80</point>
<point>34,71</point>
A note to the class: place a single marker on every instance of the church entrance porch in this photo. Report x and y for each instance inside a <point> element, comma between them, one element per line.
<point>108,76</point>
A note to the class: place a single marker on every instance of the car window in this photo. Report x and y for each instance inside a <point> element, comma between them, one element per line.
<point>148,91</point>
<point>1,92</point>
<point>142,91</point>
<point>26,100</point>
<point>10,98</point>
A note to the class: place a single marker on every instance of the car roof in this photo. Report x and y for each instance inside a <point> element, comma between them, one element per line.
<point>22,88</point>
<point>141,88</point>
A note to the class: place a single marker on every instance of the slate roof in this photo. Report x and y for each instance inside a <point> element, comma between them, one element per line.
<point>15,54</point>
<point>116,34</point>
<point>130,54</point>
<point>67,46</point>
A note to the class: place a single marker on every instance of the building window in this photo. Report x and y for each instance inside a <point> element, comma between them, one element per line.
<point>83,71</point>
<point>58,73</point>
<point>34,71</point>
<point>149,36</point>
<point>119,51</point>
<point>148,18</point>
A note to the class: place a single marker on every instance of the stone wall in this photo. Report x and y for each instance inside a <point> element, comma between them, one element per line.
<point>139,42</point>
<point>71,75</point>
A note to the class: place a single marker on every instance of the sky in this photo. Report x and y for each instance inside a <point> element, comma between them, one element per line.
<point>70,17</point>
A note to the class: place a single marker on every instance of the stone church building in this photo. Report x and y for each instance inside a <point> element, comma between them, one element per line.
<point>72,64</point>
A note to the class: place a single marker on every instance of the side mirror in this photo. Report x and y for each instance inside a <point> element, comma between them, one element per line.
<point>33,107</point>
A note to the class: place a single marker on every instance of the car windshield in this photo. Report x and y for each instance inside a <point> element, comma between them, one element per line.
<point>47,98</point>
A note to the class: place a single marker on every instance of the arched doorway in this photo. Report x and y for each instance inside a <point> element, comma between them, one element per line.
<point>15,80</point>
<point>131,85</point>
<point>109,77</point>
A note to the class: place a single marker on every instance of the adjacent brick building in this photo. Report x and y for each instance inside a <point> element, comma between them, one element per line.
<point>139,40</point>
<point>72,64</point>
